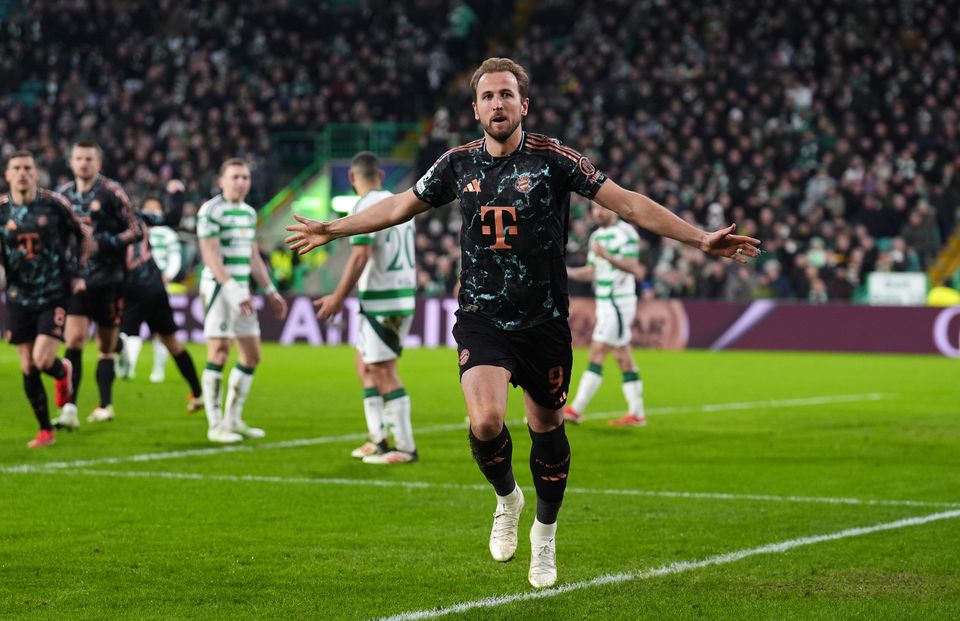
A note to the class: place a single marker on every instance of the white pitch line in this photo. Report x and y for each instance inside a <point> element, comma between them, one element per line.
<point>753,405</point>
<point>233,448</point>
<point>353,437</point>
<point>257,478</point>
<point>672,568</point>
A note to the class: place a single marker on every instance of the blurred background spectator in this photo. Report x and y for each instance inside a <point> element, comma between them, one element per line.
<point>829,129</point>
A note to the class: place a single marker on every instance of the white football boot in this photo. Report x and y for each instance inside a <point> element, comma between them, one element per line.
<point>68,418</point>
<point>506,522</point>
<point>223,436</point>
<point>391,457</point>
<point>100,415</point>
<point>246,430</point>
<point>543,555</point>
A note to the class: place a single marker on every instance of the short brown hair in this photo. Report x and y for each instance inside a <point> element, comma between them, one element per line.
<point>233,161</point>
<point>367,164</point>
<point>493,65</point>
<point>16,154</point>
<point>88,144</point>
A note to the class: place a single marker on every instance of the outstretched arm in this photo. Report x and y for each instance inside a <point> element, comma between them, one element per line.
<point>644,212</point>
<point>392,210</point>
<point>330,305</point>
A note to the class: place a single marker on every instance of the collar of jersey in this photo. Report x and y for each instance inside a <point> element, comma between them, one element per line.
<point>14,203</point>
<point>93,187</point>
<point>523,141</point>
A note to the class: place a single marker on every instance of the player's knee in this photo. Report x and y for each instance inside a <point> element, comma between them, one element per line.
<point>171,343</point>
<point>486,427</point>
<point>383,375</point>
<point>625,359</point>
<point>42,360</point>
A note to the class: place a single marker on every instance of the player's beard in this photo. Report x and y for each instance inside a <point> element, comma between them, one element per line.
<point>503,134</point>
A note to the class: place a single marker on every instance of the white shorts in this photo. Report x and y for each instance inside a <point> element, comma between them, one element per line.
<point>385,340</point>
<point>220,320</point>
<point>614,320</point>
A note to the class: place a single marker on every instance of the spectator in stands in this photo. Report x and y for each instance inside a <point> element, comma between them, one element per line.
<point>831,114</point>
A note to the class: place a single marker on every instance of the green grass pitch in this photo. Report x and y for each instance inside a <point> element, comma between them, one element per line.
<point>138,519</point>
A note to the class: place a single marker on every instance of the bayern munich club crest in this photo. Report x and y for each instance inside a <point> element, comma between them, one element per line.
<point>586,166</point>
<point>523,184</point>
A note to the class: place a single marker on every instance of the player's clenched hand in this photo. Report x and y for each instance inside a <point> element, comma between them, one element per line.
<point>307,235</point>
<point>327,306</point>
<point>724,243</point>
<point>78,285</point>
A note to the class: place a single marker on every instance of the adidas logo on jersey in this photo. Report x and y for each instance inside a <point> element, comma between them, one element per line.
<point>473,186</point>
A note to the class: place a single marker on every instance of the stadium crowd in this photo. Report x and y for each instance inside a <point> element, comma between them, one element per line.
<point>171,89</point>
<point>827,129</point>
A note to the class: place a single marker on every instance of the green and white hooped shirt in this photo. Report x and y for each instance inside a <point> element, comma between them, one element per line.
<point>388,284</point>
<point>235,226</point>
<point>621,241</point>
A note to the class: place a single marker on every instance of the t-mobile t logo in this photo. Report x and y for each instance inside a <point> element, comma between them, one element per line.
<point>499,229</point>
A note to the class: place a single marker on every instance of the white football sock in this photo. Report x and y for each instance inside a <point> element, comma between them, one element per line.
<point>588,386</point>
<point>132,346</point>
<point>211,380</point>
<point>633,393</point>
<point>373,413</point>
<point>160,355</point>
<point>396,410</point>
<point>238,387</point>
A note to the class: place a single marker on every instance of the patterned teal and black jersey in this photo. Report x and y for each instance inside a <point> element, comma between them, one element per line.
<point>43,248</point>
<point>142,270</point>
<point>107,210</point>
<point>516,211</point>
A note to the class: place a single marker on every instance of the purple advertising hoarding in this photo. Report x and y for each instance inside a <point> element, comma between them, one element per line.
<point>660,324</point>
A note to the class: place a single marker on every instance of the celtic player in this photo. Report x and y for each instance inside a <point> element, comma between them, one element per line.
<point>226,229</point>
<point>383,263</point>
<point>613,267</point>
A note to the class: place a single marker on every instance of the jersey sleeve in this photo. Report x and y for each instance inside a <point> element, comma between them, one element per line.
<point>207,225</point>
<point>172,213</point>
<point>363,239</point>
<point>4,216</point>
<point>582,176</point>
<point>77,238</point>
<point>119,200</point>
<point>438,186</point>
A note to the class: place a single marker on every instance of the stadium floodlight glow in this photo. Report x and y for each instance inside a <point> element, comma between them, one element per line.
<point>343,204</point>
<point>309,206</point>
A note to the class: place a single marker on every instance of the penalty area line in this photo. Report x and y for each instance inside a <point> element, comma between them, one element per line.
<point>673,568</point>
